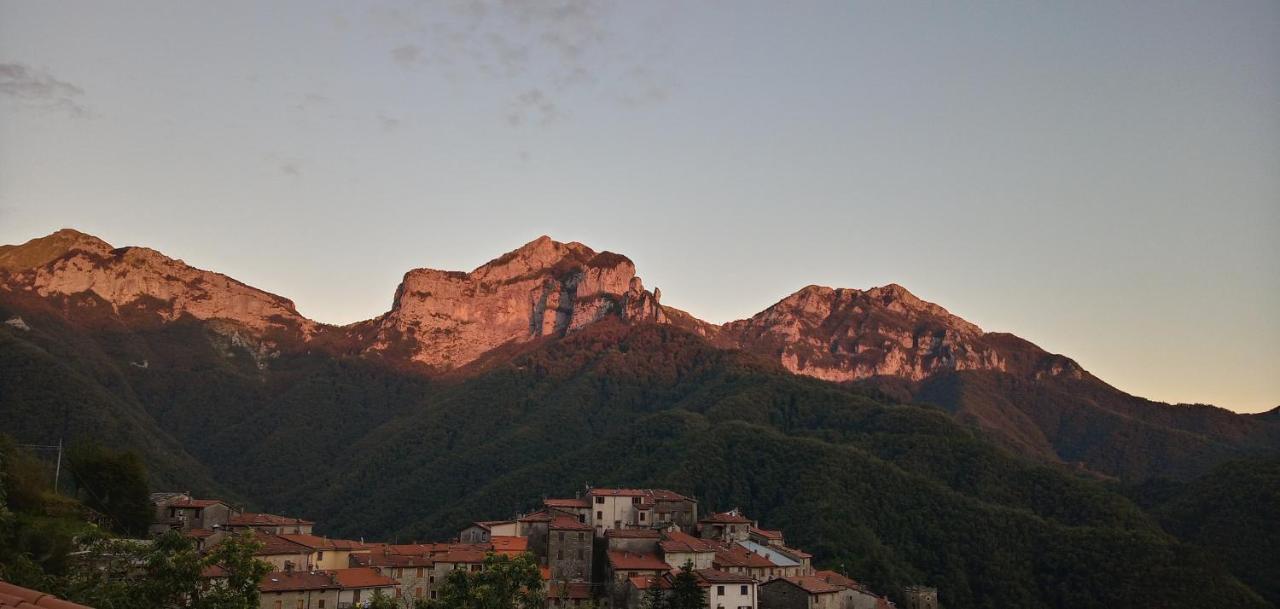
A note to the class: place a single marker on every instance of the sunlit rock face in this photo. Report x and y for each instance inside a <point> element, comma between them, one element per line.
<point>70,263</point>
<point>445,319</point>
<point>847,334</point>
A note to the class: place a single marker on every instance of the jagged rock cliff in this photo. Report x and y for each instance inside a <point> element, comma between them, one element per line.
<point>71,263</point>
<point>445,319</point>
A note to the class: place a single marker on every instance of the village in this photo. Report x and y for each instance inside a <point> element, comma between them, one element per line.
<point>609,547</point>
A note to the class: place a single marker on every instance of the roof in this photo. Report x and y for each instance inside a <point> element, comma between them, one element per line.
<point>643,582</point>
<point>280,581</point>
<point>198,533</point>
<point>716,576</point>
<point>639,562</point>
<point>255,519</point>
<point>488,524</point>
<point>275,545</point>
<point>726,518</point>
<point>792,552</point>
<point>680,542</point>
<point>460,556</point>
<point>538,516</point>
<point>633,533</point>
<point>361,577</point>
<point>734,555</point>
<point>380,559</point>
<point>509,544</point>
<point>656,494</point>
<point>17,596</point>
<point>578,502</point>
<point>197,503</point>
<point>770,552</point>
<point>809,583</point>
<point>766,533</point>
<point>572,590</point>
<point>316,542</point>
<point>214,571</point>
<point>836,579</point>
<point>569,523</point>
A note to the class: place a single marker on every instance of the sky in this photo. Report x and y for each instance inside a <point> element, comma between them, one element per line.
<point>1101,178</point>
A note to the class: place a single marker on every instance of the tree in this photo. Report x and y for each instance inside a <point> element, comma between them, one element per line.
<point>113,484</point>
<point>502,583</point>
<point>685,591</point>
<point>654,597</point>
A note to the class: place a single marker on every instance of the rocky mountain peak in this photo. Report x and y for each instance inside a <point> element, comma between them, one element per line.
<point>86,269</point>
<point>446,319</point>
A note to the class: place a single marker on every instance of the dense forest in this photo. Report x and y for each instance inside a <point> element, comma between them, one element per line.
<point>891,492</point>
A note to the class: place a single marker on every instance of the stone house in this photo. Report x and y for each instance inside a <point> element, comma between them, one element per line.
<point>483,531</point>
<point>802,592</point>
<point>622,508</point>
<point>298,590</point>
<point>569,548</point>
<point>179,511</point>
<point>640,541</point>
<point>359,584</point>
<point>269,523</point>
<point>728,590</point>
<point>679,548</point>
<point>725,526</point>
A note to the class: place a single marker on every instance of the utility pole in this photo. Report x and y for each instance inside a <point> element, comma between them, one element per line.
<point>57,470</point>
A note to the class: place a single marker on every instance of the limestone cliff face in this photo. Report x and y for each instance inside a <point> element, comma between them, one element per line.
<point>847,334</point>
<point>446,319</point>
<point>70,263</point>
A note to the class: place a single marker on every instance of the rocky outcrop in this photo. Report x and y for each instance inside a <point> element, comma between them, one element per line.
<point>446,319</point>
<point>70,263</point>
<point>847,334</point>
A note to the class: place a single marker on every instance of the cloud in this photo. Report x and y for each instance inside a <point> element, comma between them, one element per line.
<point>407,56</point>
<point>291,169</point>
<point>530,105</point>
<point>40,90</point>
<point>388,123</point>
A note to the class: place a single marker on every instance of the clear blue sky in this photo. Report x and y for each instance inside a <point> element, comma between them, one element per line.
<point>1102,178</point>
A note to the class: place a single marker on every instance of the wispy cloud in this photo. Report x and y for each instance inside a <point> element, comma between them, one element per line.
<point>291,169</point>
<point>37,89</point>
<point>388,123</point>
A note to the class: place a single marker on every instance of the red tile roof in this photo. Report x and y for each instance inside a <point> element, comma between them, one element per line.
<point>792,552</point>
<point>509,545</point>
<point>734,555</point>
<point>726,518</point>
<point>198,533</point>
<point>766,533</point>
<point>643,582</point>
<point>582,502</point>
<point>379,559</point>
<point>460,556</point>
<point>572,590</point>
<point>538,516</point>
<point>716,576</point>
<point>254,519</point>
<point>361,577</point>
<point>630,561</point>
<point>279,581</point>
<point>26,598</point>
<point>324,543</point>
<point>213,571</point>
<point>809,583</point>
<point>275,545</point>
<point>679,542</point>
<point>568,523</point>
<point>837,579</point>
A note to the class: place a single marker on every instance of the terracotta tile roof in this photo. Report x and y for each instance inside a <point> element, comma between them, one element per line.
<point>582,502</point>
<point>717,576</point>
<point>488,524</point>
<point>766,533</point>
<point>213,571</point>
<point>415,549</point>
<point>571,590</point>
<point>680,542</point>
<point>275,545</point>
<point>316,542</point>
<point>809,583</point>
<point>198,533</point>
<point>197,503</point>
<point>569,523</point>
<point>726,518</point>
<point>26,598</point>
<point>624,561</point>
<point>538,516</point>
<point>460,556</point>
<point>279,581</point>
<point>734,555</point>
<point>644,582</point>
<point>361,577</point>
<point>379,559</point>
<point>836,579</point>
<point>253,519</point>
<point>633,533</point>
<point>509,544</point>
<point>792,552</point>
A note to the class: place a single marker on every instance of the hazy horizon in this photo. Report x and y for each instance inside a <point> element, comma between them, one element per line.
<point>1098,179</point>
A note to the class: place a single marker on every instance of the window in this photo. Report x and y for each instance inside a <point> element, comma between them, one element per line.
<point>719,590</point>
<point>300,606</point>
<point>319,556</point>
<point>431,579</point>
<point>581,556</point>
<point>641,516</point>
<point>582,536</point>
<point>433,595</point>
<point>278,604</point>
<point>582,517</point>
<point>559,554</point>
<point>617,524</point>
<point>599,515</point>
<point>635,500</point>
<point>560,536</point>
<point>744,591</point>
<point>733,529</point>
<point>321,606</point>
<point>599,499</point>
<point>419,571</point>
<point>396,573</point>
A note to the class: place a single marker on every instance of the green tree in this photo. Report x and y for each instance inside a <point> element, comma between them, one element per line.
<point>654,597</point>
<point>113,484</point>
<point>685,591</point>
<point>502,583</point>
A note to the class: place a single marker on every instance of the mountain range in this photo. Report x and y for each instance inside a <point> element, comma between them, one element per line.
<point>896,438</point>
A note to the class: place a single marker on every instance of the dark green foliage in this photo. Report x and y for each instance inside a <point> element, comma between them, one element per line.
<point>503,583</point>
<point>685,592</point>
<point>1233,513</point>
<point>114,484</point>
